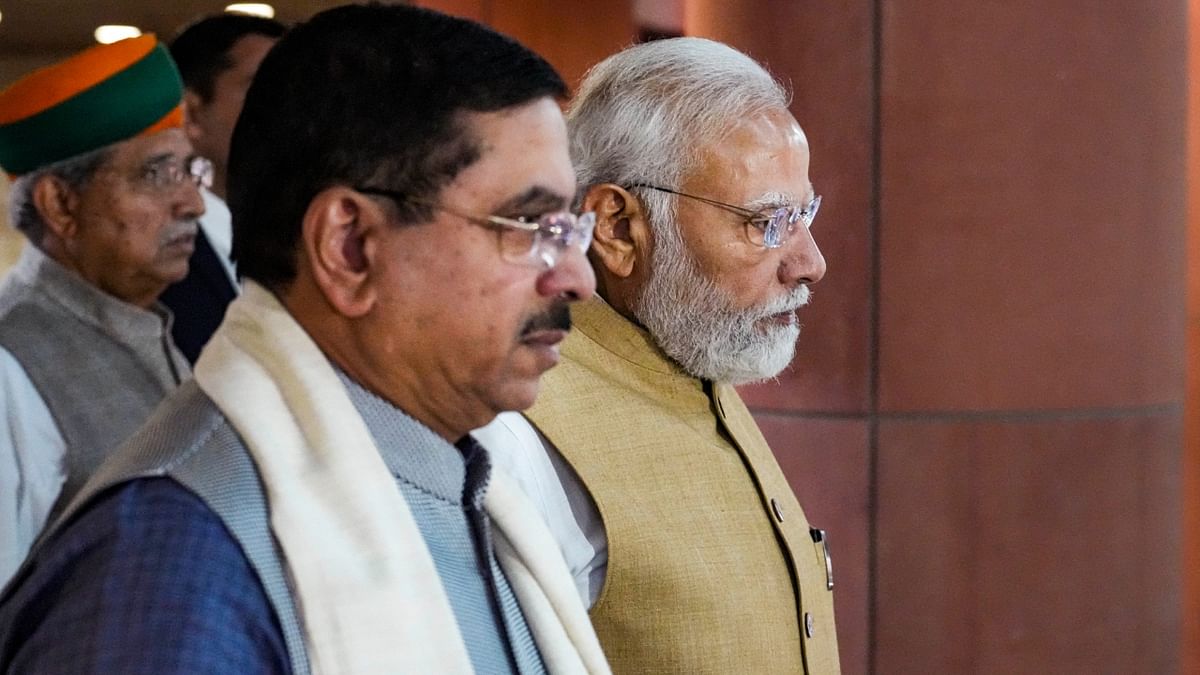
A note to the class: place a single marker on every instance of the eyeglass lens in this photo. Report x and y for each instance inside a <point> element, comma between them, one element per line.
<point>545,245</point>
<point>169,175</point>
<point>200,170</point>
<point>782,221</point>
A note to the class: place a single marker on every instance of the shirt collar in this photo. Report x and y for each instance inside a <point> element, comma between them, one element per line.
<point>417,455</point>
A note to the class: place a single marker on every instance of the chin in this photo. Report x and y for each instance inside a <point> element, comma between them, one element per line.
<point>518,396</point>
<point>176,270</point>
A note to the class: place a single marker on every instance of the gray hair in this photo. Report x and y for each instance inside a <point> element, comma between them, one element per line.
<point>643,114</point>
<point>75,172</point>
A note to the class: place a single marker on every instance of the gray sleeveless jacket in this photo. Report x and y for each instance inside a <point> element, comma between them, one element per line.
<point>101,365</point>
<point>189,440</point>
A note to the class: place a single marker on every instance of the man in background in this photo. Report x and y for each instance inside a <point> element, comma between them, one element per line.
<point>107,194</point>
<point>217,57</point>
<point>667,502</point>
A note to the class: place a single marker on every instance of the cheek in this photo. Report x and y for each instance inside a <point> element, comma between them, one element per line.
<point>114,227</point>
<point>493,309</point>
<point>498,308</point>
<point>442,296</point>
<point>718,247</point>
<point>748,283</point>
<point>144,227</point>
<point>725,261</point>
<point>470,303</point>
<point>136,214</point>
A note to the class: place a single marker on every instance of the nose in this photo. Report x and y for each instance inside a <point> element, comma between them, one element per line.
<point>802,262</point>
<point>571,277</point>
<point>187,202</point>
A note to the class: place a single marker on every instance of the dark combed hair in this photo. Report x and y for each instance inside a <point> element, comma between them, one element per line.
<point>365,94</point>
<point>201,49</point>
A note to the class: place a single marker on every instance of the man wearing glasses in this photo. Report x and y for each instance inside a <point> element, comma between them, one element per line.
<point>670,509</point>
<point>106,191</point>
<point>312,501</point>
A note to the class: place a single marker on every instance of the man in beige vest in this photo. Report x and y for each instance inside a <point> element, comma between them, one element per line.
<point>671,510</point>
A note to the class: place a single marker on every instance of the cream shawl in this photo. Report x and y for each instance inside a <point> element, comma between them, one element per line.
<point>364,583</point>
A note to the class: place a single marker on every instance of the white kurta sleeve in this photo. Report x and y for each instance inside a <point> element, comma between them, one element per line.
<point>516,447</point>
<point>32,453</point>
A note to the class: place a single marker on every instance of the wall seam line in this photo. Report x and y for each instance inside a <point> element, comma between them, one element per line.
<point>873,235</point>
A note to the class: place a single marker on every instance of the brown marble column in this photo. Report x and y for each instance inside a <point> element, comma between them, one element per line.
<point>987,406</point>
<point>1191,463</point>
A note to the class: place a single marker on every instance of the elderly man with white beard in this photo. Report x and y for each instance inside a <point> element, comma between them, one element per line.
<point>682,532</point>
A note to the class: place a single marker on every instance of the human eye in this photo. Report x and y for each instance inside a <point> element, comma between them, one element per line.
<point>156,174</point>
<point>756,228</point>
<point>555,224</point>
<point>760,221</point>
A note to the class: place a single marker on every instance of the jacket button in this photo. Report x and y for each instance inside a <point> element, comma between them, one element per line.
<point>778,511</point>
<point>808,624</point>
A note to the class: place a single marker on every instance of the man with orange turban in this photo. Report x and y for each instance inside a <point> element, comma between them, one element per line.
<point>106,190</point>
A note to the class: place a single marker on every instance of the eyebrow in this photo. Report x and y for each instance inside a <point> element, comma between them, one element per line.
<point>166,157</point>
<point>536,198</point>
<point>777,199</point>
<point>159,158</point>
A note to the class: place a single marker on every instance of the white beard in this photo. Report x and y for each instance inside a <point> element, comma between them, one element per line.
<point>694,322</point>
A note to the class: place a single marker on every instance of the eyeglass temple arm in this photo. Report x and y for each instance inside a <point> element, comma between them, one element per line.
<point>752,216</point>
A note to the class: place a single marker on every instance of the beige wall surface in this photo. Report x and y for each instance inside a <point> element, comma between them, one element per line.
<point>11,241</point>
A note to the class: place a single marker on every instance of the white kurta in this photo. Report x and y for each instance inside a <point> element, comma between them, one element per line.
<point>31,464</point>
<point>37,462</point>
<point>560,497</point>
<point>217,224</point>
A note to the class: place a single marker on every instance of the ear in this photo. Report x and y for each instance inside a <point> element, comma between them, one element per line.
<point>622,234</point>
<point>58,205</point>
<point>337,238</point>
<point>192,108</point>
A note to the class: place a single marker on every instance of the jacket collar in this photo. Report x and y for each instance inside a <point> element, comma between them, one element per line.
<point>619,335</point>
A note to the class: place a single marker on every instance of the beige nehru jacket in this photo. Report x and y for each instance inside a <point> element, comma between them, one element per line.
<point>704,534</point>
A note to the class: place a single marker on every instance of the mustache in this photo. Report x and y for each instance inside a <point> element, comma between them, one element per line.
<point>179,229</point>
<point>555,317</point>
<point>791,302</point>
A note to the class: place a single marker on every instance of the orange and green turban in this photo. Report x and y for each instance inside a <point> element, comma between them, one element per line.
<point>98,97</point>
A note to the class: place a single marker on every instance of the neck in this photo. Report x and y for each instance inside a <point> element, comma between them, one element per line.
<point>344,344</point>
<point>619,293</point>
<point>143,296</point>
<point>413,396</point>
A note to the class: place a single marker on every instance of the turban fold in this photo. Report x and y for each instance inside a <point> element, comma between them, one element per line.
<point>103,95</point>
